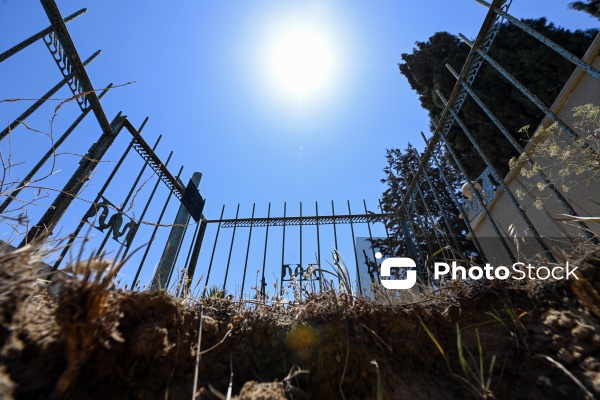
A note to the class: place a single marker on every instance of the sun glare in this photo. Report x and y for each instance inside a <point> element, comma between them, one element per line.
<point>302,61</point>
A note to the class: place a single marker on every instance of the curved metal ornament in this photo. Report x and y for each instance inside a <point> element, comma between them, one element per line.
<point>115,221</point>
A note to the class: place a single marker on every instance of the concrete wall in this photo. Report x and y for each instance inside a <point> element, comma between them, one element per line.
<point>583,194</point>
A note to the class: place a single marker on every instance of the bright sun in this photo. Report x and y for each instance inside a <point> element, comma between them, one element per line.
<point>302,61</point>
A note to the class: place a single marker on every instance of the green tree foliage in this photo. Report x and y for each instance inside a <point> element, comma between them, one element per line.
<point>591,7</point>
<point>427,224</point>
<point>536,66</point>
<point>540,69</point>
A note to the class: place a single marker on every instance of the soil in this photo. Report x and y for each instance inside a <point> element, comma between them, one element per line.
<point>91,341</point>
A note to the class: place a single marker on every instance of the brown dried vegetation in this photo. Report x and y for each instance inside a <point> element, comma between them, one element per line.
<point>92,341</point>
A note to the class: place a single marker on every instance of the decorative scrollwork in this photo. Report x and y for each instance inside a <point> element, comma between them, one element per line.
<point>489,190</point>
<point>66,68</point>
<point>311,273</point>
<point>475,66</point>
<point>127,232</point>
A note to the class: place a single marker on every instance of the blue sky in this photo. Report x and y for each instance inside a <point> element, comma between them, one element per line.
<point>203,74</point>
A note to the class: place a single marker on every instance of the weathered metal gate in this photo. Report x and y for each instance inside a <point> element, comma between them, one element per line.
<point>306,231</point>
<point>105,216</point>
<point>115,220</point>
<point>490,184</point>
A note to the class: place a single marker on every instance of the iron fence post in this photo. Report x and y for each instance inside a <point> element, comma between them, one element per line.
<point>168,258</point>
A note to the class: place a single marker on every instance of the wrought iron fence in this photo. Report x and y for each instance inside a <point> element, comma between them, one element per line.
<point>484,190</point>
<point>280,255</point>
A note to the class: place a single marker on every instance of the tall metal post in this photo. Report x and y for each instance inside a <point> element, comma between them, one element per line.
<point>301,275</point>
<point>167,260</point>
<point>191,268</point>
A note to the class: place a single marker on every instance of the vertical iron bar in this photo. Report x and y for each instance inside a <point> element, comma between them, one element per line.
<point>231,247</point>
<point>449,229</point>
<point>335,241</point>
<point>319,248</point>
<point>141,219</point>
<point>195,255</point>
<point>413,233</point>
<point>479,198</point>
<point>432,220</point>
<point>42,99</point>
<point>360,291</point>
<point>262,280</point>
<point>247,252</point>
<point>459,205</point>
<point>160,217</point>
<point>301,267</point>
<point>371,244</point>
<point>420,222</point>
<point>122,207</point>
<point>500,180</point>
<point>283,248</point>
<point>73,236</point>
<point>387,232</point>
<point>416,256</point>
<point>212,256</point>
<point>182,279</point>
<point>181,285</point>
<point>334,226</point>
